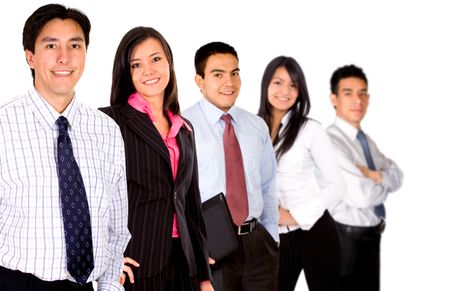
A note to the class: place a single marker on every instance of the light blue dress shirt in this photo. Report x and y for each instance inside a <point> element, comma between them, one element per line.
<point>257,153</point>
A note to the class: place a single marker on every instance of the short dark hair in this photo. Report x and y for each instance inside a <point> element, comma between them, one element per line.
<point>209,49</point>
<point>122,84</point>
<point>299,110</point>
<point>347,71</point>
<point>36,22</point>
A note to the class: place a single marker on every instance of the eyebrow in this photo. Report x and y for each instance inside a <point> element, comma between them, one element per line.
<point>153,54</point>
<point>52,39</point>
<point>223,71</point>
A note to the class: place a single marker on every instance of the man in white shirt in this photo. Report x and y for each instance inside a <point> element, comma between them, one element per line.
<point>63,191</point>
<point>369,176</point>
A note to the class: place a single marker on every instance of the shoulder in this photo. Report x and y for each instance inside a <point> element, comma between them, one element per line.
<point>111,110</point>
<point>96,117</point>
<point>312,126</point>
<point>250,119</point>
<point>192,112</point>
<point>10,106</point>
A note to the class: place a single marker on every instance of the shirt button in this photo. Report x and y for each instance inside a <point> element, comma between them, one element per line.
<point>175,195</point>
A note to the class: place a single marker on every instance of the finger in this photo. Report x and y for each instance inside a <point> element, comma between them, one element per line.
<point>128,260</point>
<point>211,261</point>
<point>127,270</point>
<point>122,278</point>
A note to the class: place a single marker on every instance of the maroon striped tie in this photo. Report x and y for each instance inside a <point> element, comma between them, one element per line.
<point>234,167</point>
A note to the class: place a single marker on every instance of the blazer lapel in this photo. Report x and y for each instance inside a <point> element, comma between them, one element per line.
<point>141,124</point>
<point>184,140</point>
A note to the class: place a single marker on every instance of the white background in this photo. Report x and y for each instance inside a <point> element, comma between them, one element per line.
<point>403,46</point>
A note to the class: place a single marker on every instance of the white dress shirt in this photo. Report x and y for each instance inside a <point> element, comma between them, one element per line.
<point>357,207</point>
<point>31,226</point>
<point>308,176</point>
<point>257,154</point>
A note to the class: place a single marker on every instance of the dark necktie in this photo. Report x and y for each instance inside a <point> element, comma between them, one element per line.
<point>75,209</point>
<point>237,199</point>
<point>379,209</point>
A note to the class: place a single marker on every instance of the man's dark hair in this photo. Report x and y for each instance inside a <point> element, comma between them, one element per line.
<point>36,22</point>
<point>209,49</point>
<point>344,72</point>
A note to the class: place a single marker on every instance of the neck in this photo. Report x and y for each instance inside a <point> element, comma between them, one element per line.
<point>156,104</point>
<point>277,116</point>
<point>58,103</point>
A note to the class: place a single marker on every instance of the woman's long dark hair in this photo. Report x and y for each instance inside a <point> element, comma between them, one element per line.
<point>122,84</point>
<point>299,111</point>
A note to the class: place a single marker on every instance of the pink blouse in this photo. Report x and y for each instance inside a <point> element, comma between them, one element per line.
<point>140,104</point>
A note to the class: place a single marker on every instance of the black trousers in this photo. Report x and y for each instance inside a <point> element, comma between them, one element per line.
<point>253,267</point>
<point>174,277</point>
<point>361,257</point>
<point>317,251</point>
<point>18,281</point>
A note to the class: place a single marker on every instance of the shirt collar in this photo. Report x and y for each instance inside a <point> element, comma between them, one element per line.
<point>285,120</point>
<point>213,114</point>
<point>140,104</point>
<point>47,113</point>
<point>346,127</point>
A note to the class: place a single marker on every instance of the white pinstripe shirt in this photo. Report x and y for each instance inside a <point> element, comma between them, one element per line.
<point>31,228</point>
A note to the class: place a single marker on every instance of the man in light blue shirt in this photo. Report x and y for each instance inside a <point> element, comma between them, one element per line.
<point>254,266</point>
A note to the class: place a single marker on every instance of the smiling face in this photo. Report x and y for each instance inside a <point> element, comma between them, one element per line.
<point>351,100</point>
<point>58,60</point>
<point>150,70</point>
<point>282,91</point>
<point>222,82</point>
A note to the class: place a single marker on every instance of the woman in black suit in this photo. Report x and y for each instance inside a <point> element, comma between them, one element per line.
<point>165,219</point>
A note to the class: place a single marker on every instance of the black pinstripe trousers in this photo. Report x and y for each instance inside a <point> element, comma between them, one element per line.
<point>316,251</point>
<point>174,277</point>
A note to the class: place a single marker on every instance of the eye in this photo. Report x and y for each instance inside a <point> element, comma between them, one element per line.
<point>218,75</point>
<point>75,46</point>
<point>363,94</point>
<point>51,46</point>
<point>236,74</point>
<point>156,59</point>
<point>135,65</point>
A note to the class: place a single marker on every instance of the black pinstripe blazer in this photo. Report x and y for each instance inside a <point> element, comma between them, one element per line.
<point>154,197</point>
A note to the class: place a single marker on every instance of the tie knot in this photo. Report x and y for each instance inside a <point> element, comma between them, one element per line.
<point>62,123</point>
<point>361,136</point>
<point>226,118</point>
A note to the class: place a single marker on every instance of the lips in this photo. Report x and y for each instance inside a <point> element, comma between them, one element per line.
<point>152,81</point>
<point>62,73</point>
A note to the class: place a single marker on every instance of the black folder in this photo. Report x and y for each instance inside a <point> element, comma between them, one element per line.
<point>222,239</point>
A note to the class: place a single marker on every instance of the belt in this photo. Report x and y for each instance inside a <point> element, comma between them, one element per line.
<point>247,227</point>
<point>362,230</point>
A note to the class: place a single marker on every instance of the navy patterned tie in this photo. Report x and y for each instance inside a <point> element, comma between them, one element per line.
<point>75,209</point>
<point>379,209</point>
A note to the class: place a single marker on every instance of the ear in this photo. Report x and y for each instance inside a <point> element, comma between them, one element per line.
<point>199,81</point>
<point>333,99</point>
<point>29,56</point>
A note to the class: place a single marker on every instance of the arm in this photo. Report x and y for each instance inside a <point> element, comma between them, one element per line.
<point>270,214</point>
<point>391,175</point>
<point>361,191</point>
<point>118,234</point>
<point>333,185</point>
<point>196,224</point>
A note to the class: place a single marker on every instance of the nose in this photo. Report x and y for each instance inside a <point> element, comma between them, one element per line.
<point>357,98</point>
<point>63,56</point>
<point>285,89</point>
<point>148,69</point>
<point>228,80</point>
